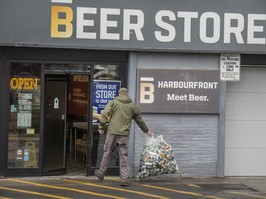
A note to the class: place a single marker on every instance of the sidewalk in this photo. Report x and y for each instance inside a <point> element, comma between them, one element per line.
<point>257,183</point>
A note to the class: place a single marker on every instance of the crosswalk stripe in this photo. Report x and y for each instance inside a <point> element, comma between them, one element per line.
<point>65,188</point>
<point>33,193</point>
<point>193,185</point>
<point>4,198</point>
<point>117,189</point>
<point>179,191</point>
<point>174,190</point>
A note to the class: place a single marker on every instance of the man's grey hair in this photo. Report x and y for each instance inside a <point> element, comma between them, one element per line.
<point>123,91</point>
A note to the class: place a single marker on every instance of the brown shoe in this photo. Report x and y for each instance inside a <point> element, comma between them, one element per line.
<point>96,174</point>
<point>124,184</point>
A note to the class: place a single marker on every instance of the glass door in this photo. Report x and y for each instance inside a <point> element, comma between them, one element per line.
<point>79,122</point>
<point>67,119</point>
<point>107,80</point>
<point>24,117</point>
<point>55,121</point>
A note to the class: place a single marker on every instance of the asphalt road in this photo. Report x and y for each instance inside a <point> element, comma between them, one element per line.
<point>162,188</point>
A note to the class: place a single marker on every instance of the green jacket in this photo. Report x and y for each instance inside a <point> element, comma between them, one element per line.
<point>120,112</point>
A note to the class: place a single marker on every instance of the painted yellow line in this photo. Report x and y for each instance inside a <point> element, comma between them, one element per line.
<point>193,185</point>
<point>245,194</point>
<point>33,193</point>
<point>179,191</point>
<point>117,189</point>
<point>113,179</point>
<point>67,189</point>
<point>174,190</point>
<point>215,197</point>
<point>4,198</point>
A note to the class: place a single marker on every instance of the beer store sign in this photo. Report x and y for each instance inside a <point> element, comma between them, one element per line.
<point>174,25</point>
<point>178,91</point>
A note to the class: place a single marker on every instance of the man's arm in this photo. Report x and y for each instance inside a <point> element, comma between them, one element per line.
<point>104,116</point>
<point>141,123</point>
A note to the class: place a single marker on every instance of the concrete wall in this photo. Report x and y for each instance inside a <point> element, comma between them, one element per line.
<point>193,137</point>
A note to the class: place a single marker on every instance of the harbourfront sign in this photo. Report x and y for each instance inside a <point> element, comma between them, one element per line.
<point>178,91</point>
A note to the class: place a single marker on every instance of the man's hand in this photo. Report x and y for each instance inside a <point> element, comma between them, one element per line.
<point>150,133</point>
<point>101,131</point>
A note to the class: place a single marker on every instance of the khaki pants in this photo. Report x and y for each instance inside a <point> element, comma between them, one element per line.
<point>111,142</point>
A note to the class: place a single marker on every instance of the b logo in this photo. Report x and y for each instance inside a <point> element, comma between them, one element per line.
<point>146,90</point>
<point>61,27</point>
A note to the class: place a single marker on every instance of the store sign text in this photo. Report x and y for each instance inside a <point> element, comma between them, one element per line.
<point>178,91</point>
<point>118,24</point>
<point>24,83</point>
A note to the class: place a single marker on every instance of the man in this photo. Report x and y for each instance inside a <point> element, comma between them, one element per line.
<point>119,113</point>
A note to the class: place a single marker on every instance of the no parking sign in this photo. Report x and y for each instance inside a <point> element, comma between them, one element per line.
<point>230,67</point>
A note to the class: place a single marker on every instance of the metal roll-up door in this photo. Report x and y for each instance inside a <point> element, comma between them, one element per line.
<point>245,134</point>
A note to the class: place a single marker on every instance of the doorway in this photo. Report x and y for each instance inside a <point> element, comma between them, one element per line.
<point>66,148</point>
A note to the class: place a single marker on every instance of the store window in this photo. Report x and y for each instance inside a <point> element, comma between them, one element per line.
<point>108,79</point>
<point>24,115</point>
<point>67,67</point>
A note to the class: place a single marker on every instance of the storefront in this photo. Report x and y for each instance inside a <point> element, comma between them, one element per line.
<point>51,108</point>
<point>197,74</point>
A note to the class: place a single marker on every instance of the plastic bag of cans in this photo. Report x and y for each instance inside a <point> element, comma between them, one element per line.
<point>157,158</point>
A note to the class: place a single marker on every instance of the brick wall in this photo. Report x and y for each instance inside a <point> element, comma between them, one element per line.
<point>194,139</point>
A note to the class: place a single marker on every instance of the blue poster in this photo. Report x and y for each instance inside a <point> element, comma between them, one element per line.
<point>103,92</point>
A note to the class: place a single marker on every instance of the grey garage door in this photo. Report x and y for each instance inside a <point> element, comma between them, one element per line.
<point>245,134</point>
